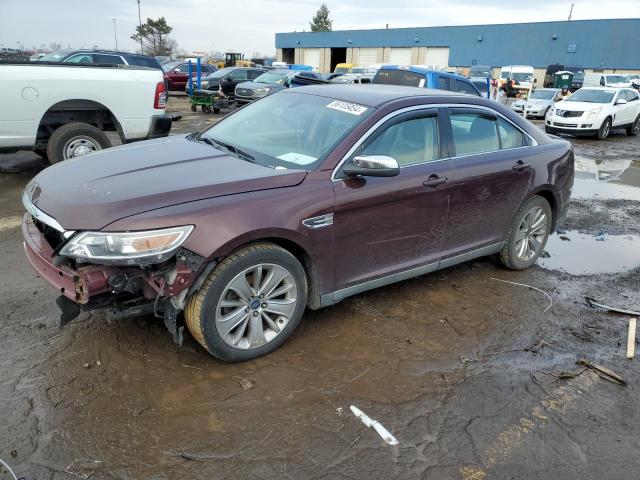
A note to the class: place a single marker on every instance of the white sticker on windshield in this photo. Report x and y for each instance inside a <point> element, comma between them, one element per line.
<point>298,158</point>
<point>347,107</point>
<point>421,83</point>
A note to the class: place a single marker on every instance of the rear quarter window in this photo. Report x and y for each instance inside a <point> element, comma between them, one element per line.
<point>399,77</point>
<point>444,83</point>
<point>464,87</point>
<point>143,62</point>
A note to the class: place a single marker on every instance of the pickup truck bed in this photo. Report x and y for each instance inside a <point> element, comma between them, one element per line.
<point>61,110</point>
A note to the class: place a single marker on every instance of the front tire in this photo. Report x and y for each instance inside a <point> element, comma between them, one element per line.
<point>605,129</point>
<point>528,234</point>
<point>75,140</point>
<point>249,304</point>
<point>634,129</point>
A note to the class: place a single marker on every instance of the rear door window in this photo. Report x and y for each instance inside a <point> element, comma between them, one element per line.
<point>510,136</point>
<point>474,132</point>
<point>184,68</point>
<point>399,77</point>
<point>238,75</point>
<point>107,59</point>
<point>253,74</point>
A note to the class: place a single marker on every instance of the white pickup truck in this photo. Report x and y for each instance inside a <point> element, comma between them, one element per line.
<point>61,111</point>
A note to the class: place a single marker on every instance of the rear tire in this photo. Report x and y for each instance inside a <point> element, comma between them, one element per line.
<point>258,321</point>
<point>605,129</point>
<point>216,110</point>
<point>528,234</point>
<point>72,139</point>
<point>633,130</point>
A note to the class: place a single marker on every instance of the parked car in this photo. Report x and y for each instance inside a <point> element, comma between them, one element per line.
<point>480,71</point>
<point>539,104</point>
<point>520,75</point>
<point>349,68</point>
<point>299,200</point>
<point>330,76</point>
<point>417,76</point>
<point>596,111</point>
<point>101,57</point>
<point>268,83</point>
<point>353,78</point>
<point>176,74</point>
<point>62,111</point>
<point>226,79</point>
<point>605,80</point>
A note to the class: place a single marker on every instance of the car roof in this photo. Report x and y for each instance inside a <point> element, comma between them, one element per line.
<point>372,95</point>
<point>423,70</point>
<point>112,52</point>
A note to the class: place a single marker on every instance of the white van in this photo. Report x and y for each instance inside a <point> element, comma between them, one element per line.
<point>522,76</point>
<point>605,80</point>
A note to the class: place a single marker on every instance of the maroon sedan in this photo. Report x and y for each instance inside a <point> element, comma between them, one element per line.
<point>298,200</point>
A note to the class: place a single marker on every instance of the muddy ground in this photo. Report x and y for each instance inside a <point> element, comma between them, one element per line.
<point>464,369</point>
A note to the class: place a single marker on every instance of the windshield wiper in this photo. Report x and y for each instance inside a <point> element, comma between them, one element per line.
<point>217,143</point>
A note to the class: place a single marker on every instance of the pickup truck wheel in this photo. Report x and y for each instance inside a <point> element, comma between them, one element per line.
<point>75,140</point>
<point>528,234</point>
<point>249,304</point>
<point>633,130</point>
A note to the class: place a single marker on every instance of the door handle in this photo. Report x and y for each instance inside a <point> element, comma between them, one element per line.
<point>434,181</point>
<point>520,165</point>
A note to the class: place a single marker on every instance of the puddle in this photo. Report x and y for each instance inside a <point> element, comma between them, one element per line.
<point>584,254</point>
<point>606,179</point>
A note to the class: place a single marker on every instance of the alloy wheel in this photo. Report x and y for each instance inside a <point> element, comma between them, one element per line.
<point>256,306</point>
<point>531,234</point>
<point>636,126</point>
<point>605,129</point>
<point>79,146</point>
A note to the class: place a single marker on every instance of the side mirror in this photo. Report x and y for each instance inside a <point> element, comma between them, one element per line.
<point>621,101</point>
<point>372,166</point>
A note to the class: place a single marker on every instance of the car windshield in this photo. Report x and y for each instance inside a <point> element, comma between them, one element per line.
<point>343,79</point>
<point>592,96</point>
<point>522,77</point>
<point>221,73</point>
<point>288,129</point>
<point>341,70</point>
<point>53,57</point>
<point>399,77</point>
<point>358,70</point>
<point>273,77</point>
<point>616,79</point>
<point>543,94</point>
<point>167,67</point>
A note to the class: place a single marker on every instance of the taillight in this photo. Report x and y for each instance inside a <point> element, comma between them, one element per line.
<point>160,100</point>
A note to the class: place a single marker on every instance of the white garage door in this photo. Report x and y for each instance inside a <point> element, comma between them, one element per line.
<point>438,56</point>
<point>367,56</point>
<point>312,57</point>
<point>400,56</point>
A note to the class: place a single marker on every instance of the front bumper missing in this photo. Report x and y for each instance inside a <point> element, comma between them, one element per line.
<point>122,291</point>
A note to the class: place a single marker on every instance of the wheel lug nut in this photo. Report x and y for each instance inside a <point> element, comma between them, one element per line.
<point>246,309</point>
<point>255,314</point>
<point>264,305</point>
<point>280,321</point>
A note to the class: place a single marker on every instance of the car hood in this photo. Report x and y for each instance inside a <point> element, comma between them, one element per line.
<point>579,106</point>
<point>88,193</point>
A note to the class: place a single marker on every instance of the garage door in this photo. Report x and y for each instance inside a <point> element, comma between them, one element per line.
<point>367,56</point>
<point>400,56</point>
<point>312,57</point>
<point>438,56</point>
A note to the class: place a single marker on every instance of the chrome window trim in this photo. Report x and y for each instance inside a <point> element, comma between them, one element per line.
<point>39,215</point>
<point>391,115</point>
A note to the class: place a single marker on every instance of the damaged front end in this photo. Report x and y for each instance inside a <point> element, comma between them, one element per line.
<point>124,273</point>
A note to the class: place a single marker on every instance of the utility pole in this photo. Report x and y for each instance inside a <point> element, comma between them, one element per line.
<point>140,23</point>
<point>569,19</point>
<point>115,32</point>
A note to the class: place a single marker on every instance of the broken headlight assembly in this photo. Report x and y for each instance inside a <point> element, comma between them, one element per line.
<point>126,248</point>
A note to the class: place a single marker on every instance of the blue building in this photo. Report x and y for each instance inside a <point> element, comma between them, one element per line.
<point>598,45</point>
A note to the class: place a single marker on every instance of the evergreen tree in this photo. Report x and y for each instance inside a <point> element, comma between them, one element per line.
<point>320,21</point>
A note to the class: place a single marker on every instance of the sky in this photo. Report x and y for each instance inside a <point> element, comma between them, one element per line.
<point>248,26</point>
